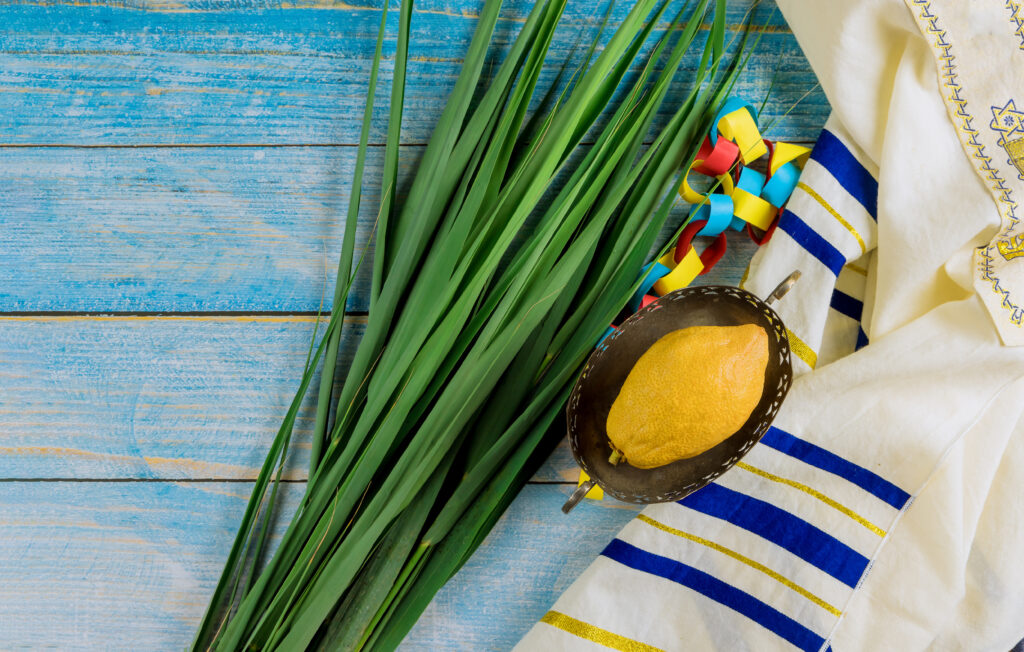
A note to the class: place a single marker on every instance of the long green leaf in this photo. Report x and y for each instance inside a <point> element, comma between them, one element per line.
<point>347,253</point>
<point>389,179</point>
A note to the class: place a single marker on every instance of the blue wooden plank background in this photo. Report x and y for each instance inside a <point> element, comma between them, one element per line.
<point>157,229</point>
<point>273,71</point>
<point>173,181</point>
<point>128,566</point>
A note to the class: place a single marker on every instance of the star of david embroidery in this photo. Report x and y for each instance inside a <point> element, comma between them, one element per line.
<point>1007,120</point>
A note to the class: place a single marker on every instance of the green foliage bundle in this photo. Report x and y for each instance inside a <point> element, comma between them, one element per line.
<point>485,303</point>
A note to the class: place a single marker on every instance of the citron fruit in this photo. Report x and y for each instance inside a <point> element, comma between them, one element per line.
<point>689,392</point>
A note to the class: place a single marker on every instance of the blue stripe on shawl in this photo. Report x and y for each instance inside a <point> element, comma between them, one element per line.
<point>810,240</point>
<point>825,460</point>
<point>785,530</point>
<point>844,303</point>
<point>862,339</point>
<point>834,156</point>
<point>710,586</point>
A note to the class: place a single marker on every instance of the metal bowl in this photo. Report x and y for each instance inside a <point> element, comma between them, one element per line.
<point>606,371</point>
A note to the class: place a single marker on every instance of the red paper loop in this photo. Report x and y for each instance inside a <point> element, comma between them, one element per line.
<point>716,159</point>
<point>711,254</point>
<point>767,235</point>
<point>771,154</point>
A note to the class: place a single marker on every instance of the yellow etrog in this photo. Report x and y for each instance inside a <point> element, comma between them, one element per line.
<point>689,392</point>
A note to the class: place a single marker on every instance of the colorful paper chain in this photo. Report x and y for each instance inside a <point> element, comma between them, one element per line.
<point>746,199</point>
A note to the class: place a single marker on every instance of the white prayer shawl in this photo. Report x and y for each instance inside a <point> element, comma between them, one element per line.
<point>882,511</point>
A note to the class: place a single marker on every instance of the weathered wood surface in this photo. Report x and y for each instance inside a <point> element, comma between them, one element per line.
<point>194,156</point>
<point>151,397</point>
<point>167,397</point>
<point>188,229</point>
<point>112,566</point>
<point>270,71</point>
<point>128,566</point>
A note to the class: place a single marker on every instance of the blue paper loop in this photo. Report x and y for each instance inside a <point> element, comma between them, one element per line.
<point>717,211</point>
<point>651,273</point>
<point>751,180</point>
<point>778,189</point>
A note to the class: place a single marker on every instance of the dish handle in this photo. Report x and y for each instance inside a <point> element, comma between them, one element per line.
<point>783,288</point>
<point>578,495</point>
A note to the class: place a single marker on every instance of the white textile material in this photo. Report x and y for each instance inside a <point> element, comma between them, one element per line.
<point>881,511</point>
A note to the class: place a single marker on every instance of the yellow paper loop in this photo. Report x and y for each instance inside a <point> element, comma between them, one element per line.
<point>727,183</point>
<point>689,195</point>
<point>682,274</point>
<point>739,127</point>
<point>597,493</point>
<point>785,152</point>
<point>752,209</point>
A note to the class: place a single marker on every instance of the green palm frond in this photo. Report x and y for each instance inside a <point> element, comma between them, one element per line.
<point>492,279</point>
